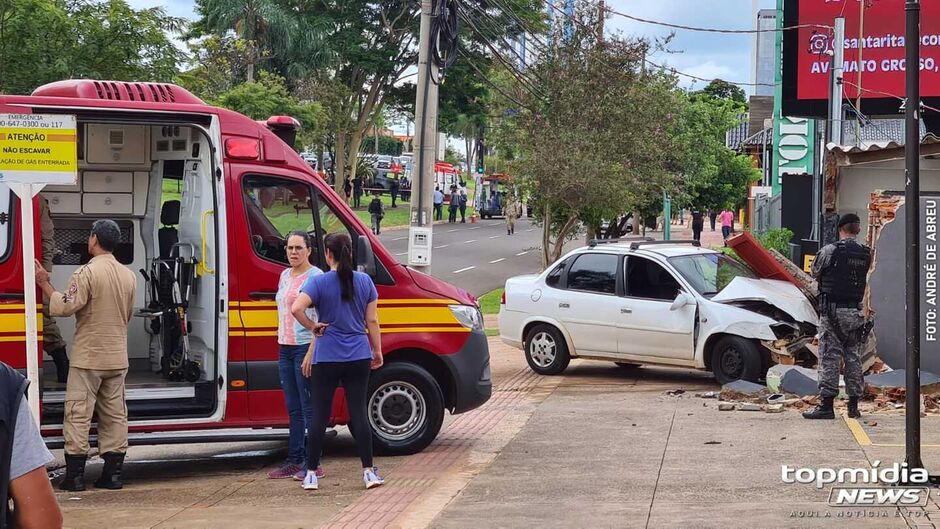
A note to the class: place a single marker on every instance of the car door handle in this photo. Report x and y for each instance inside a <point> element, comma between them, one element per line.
<point>262,295</point>
<point>626,311</point>
<point>564,306</point>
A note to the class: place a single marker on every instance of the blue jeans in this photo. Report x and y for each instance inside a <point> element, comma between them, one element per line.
<point>297,398</point>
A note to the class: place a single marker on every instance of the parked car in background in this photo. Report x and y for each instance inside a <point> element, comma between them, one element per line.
<point>649,302</point>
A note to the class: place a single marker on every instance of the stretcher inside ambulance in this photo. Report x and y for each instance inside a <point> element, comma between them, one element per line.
<point>204,198</point>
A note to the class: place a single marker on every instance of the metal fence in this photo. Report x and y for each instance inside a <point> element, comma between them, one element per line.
<point>767,213</point>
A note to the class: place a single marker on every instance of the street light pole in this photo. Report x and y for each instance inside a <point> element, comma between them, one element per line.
<point>912,234</point>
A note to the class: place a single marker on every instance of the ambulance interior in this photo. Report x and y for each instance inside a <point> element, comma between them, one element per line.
<point>155,181</point>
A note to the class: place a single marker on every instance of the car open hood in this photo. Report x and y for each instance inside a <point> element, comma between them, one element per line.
<point>781,294</point>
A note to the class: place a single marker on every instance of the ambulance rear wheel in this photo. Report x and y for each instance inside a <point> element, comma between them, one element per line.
<point>405,408</point>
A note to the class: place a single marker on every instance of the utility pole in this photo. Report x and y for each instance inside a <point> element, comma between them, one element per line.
<point>422,209</point>
<point>912,234</point>
<point>833,128</point>
<point>861,68</point>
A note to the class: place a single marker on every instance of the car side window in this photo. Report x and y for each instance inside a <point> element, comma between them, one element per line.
<point>649,280</point>
<point>553,279</point>
<point>274,207</point>
<point>594,272</point>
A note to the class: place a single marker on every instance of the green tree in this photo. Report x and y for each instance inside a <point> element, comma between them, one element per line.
<point>268,96</point>
<point>42,41</point>
<point>594,138</point>
<point>219,63</point>
<point>720,89</point>
<point>714,176</point>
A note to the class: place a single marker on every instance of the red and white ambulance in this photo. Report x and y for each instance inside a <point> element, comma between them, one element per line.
<point>204,197</point>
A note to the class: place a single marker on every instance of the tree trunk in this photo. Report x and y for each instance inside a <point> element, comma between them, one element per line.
<point>339,164</point>
<point>636,222</point>
<point>355,143</point>
<point>546,234</point>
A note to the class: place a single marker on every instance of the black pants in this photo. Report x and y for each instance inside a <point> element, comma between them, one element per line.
<point>394,198</point>
<point>463,213</point>
<point>697,230</point>
<point>357,199</point>
<point>453,214</point>
<point>438,211</point>
<point>324,380</point>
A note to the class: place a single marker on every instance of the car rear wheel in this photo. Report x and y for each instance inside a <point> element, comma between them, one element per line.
<point>736,358</point>
<point>405,407</point>
<point>546,351</point>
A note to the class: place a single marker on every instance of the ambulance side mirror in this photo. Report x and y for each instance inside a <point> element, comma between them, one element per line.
<point>365,257</point>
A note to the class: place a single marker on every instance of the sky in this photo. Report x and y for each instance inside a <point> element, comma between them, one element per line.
<point>707,55</point>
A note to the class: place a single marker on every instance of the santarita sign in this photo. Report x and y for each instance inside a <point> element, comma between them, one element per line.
<point>38,148</point>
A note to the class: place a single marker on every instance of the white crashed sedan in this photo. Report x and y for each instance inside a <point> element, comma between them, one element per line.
<point>650,302</point>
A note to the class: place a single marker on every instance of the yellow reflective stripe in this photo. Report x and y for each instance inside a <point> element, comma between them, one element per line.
<point>416,315</point>
<point>259,318</point>
<point>401,330</point>
<point>16,322</point>
<point>417,302</point>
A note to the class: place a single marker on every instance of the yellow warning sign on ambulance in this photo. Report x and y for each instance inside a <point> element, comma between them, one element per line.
<point>38,149</point>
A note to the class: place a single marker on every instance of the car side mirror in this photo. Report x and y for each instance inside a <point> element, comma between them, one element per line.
<point>365,257</point>
<point>682,300</point>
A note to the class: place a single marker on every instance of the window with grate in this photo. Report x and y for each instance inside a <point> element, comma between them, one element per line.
<point>71,243</point>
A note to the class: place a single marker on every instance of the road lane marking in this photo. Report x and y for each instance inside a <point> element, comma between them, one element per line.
<point>399,239</point>
<point>401,254</point>
<point>470,241</point>
<point>442,246</point>
<point>452,231</point>
<point>522,253</point>
<point>496,237</point>
<point>474,228</point>
<point>464,269</point>
<point>498,260</point>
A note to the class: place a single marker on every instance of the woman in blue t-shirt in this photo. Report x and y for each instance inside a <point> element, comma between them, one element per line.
<point>346,303</point>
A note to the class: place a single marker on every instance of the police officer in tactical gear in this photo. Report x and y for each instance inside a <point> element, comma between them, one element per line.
<point>841,269</point>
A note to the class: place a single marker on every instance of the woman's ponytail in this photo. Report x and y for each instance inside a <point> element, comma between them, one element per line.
<point>340,246</point>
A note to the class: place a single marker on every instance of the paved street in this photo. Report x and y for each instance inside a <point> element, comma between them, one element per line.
<point>476,257</point>
<point>599,446</point>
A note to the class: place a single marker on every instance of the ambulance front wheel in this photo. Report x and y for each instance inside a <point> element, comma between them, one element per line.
<point>405,407</point>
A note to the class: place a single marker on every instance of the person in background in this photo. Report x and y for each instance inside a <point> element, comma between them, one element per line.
<point>23,460</point>
<point>349,346</point>
<point>454,204</point>
<point>438,204</point>
<point>357,191</point>
<point>511,212</point>
<point>463,205</point>
<point>712,217</point>
<point>377,212</point>
<point>394,188</point>
<point>727,223</point>
<point>347,189</point>
<point>52,341</point>
<point>101,297</point>
<point>698,224</point>
<point>295,340</point>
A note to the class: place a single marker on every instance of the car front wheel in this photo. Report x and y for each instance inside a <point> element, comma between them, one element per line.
<point>546,351</point>
<point>405,407</point>
<point>736,358</point>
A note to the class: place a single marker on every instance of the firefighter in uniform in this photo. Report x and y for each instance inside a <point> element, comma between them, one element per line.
<point>52,341</point>
<point>101,296</point>
<point>841,269</point>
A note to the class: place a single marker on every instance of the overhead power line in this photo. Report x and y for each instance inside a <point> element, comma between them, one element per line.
<point>886,94</point>
<point>714,30</point>
<point>655,65</point>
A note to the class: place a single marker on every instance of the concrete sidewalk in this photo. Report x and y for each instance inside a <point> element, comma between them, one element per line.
<point>609,449</point>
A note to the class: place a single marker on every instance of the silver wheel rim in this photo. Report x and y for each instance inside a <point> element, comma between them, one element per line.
<point>542,349</point>
<point>397,410</point>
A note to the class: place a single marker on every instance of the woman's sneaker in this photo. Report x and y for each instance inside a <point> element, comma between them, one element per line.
<point>284,471</point>
<point>310,481</point>
<point>371,477</point>
<point>302,473</point>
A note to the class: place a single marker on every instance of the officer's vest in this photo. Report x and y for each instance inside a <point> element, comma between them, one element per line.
<point>12,388</point>
<point>844,280</point>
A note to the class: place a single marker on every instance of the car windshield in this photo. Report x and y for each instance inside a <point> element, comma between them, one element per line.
<point>710,273</point>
